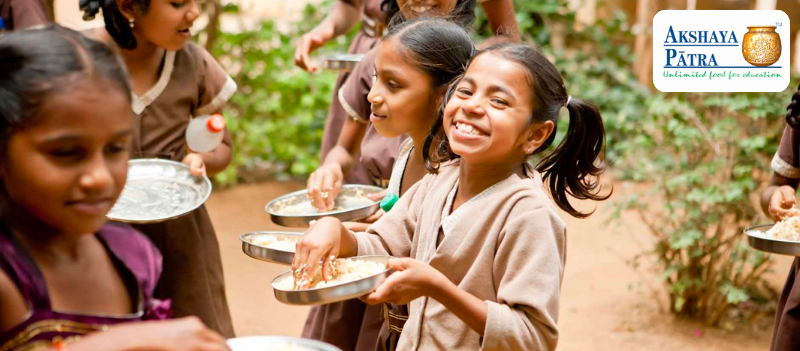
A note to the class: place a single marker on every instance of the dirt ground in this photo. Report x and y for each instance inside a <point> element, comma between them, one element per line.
<point>606,305</point>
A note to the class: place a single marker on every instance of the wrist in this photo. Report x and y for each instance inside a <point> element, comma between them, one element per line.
<point>439,287</point>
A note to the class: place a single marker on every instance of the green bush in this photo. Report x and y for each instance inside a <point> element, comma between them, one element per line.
<point>279,111</point>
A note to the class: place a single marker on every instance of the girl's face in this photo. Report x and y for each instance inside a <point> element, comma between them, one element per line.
<point>68,168</point>
<point>167,23</point>
<point>488,117</point>
<point>433,8</point>
<point>402,99</point>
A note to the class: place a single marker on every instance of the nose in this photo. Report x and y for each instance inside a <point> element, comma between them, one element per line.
<point>374,97</point>
<point>473,107</point>
<point>194,11</point>
<point>97,176</point>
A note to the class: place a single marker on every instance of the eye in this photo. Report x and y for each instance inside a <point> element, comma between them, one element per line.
<point>68,153</point>
<point>116,148</point>
<point>464,92</point>
<point>178,5</point>
<point>394,85</point>
<point>500,102</point>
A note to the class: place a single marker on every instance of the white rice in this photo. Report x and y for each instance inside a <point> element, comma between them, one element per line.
<point>345,270</point>
<point>788,228</point>
<point>275,243</point>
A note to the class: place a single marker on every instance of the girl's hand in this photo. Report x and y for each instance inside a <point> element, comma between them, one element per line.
<point>374,217</point>
<point>323,185</point>
<point>311,41</point>
<point>196,164</point>
<point>781,202</point>
<point>411,280</point>
<point>319,243</point>
<point>184,334</point>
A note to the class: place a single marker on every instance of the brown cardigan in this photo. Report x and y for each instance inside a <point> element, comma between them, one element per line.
<point>506,246</point>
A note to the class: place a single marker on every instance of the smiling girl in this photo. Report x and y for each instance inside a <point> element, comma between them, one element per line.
<point>174,80</point>
<point>486,245</point>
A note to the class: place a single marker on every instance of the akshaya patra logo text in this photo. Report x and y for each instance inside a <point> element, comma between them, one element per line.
<point>720,51</point>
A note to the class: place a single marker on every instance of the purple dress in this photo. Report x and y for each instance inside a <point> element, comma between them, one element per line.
<point>137,261</point>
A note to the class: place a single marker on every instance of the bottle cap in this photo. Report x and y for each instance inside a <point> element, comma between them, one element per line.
<point>216,123</point>
<point>388,202</point>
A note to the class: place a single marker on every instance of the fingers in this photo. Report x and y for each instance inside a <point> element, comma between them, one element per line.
<point>399,264</point>
<point>196,164</point>
<point>301,53</point>
<point>374,217</point>
<point>378,196</point>
<point>327,267</point>
<point>314,188</point>
<point>328,189</point>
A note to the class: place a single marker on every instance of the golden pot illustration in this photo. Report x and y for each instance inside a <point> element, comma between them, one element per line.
<point>761,46</point>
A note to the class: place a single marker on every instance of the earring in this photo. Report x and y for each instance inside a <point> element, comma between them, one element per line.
<point>130,23</point>
<point>529,150</point>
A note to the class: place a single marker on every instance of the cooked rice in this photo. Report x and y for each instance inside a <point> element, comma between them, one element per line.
<point>345,270</point>
<point>788,228</point>
<point>275,243</point>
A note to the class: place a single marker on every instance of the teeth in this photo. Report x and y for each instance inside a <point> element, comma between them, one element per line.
<point>420,8</point>
<point>468,129</point>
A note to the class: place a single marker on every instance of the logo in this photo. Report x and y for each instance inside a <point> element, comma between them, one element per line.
<point>720,51</point>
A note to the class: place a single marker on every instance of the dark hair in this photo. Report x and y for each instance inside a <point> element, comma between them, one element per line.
<point>793,110</point>
<point>116,24</point>
<point>570,168</point>
<point>463,13</point>
<point>438,47</point>
<point>40,62</point>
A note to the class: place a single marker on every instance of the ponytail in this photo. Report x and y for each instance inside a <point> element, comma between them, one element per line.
<point>793,110</point>
<point>570,168</point>
<point>117,25</point>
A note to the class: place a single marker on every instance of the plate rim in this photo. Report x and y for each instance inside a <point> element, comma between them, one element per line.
<point>161,219</point>
<point>321,214</point>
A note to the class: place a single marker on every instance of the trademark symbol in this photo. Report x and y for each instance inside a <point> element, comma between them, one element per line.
<point>778,24</point>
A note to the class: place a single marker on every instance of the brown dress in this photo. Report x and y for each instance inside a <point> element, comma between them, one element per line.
<point>21,14</point>
<point>191,83</point>
<point>353,325</point>
<point>365,39</point>
<point>786,333</point>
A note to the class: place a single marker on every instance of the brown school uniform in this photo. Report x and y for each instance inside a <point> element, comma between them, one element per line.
<point>786,332</point>
<point>505,246</point>
<point>352,325</point>
<point>21,14</point>
<point>191,83</point>
<point>372,29</point>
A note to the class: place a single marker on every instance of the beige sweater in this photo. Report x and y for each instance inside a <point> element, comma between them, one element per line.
<point>505,246</point>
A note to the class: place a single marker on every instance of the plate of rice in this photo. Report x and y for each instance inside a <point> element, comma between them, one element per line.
<point>274,247</point>
<point>782,237</point>
<point>352,277</point>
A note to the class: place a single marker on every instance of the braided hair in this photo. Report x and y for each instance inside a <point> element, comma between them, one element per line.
<point>116,24</point>
<point>793,110</point>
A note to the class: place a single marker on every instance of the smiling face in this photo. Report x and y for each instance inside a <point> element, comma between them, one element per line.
<point>166,23</point>
<point>488,119</point>
<point>68,168</point>
<point>402,98</point>
<point>433,8</point>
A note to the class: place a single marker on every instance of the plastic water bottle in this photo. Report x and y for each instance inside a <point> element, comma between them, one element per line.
<point>205,133</point>
<point>2,26</point>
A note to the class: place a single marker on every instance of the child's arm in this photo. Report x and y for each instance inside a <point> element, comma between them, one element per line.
<point>503,22</point>
<point>779,197</point>
<point>184,334</point>
<point>344,15</point>
<point>329,177</point>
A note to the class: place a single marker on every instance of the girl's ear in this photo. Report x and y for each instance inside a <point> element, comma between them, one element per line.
<point>127,8</point>
<point>536,136</point>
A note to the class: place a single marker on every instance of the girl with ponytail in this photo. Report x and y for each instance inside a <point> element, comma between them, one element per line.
<point>777,201</point>
<point>484,243</point>
<point>173,80</point>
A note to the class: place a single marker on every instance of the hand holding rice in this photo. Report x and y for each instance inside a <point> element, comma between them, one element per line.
<point>345,270</point>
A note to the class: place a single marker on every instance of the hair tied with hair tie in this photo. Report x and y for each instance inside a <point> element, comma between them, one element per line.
<point>90,8</point>
<point>569,98</point>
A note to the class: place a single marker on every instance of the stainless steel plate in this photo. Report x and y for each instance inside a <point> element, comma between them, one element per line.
<point>331,294</point>
<point>159,190</point>
<point>278,343</point>
<point>267,254</point>
<point>295,210</point>
<point>342,62</point>
<point>756,237</point>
